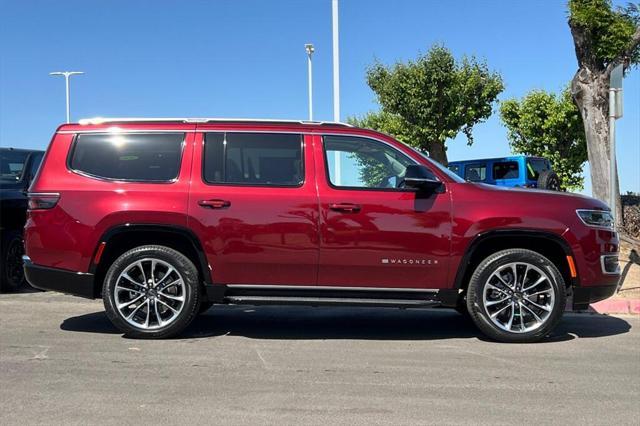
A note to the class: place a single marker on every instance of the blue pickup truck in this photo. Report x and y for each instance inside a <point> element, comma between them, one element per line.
<point>515,171</point>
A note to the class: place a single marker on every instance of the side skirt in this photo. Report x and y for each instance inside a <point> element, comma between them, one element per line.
<point>331,296</point>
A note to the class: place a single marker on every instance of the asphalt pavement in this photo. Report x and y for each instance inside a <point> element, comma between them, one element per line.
<point>62,362</point>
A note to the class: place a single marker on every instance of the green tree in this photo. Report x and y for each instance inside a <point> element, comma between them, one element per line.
<point>603,38</point>
<point>550,126</point>
<point>433,98</point>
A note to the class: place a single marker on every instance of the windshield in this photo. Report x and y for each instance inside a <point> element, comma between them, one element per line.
<point>454,177</point>
<point>12,165</point>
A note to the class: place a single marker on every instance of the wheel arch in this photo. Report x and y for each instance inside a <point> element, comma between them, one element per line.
<point>121,238</point>
<point>548,244</point>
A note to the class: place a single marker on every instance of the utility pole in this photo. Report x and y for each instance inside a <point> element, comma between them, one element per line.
<point>310,49</point>
<point>615,112</point>
<point>66,75</point>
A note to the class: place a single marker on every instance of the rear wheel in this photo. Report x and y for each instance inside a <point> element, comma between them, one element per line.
<point>11,271</point>
<point>516,295</point>
<point>151,292</point>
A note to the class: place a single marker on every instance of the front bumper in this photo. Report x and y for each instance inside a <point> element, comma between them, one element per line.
<point>584,296</point>
<point>75,283</point>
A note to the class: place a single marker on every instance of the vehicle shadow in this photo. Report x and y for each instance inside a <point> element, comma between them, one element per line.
<point>349,323</point>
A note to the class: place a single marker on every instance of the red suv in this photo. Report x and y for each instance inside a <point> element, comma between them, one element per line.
<point>163,218</point>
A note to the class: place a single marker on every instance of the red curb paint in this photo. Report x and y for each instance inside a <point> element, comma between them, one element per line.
<point>617,306</point>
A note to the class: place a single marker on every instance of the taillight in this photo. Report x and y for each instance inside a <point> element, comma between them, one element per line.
<point>43,200</point>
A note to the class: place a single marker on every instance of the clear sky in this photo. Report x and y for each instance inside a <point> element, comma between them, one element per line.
<point>246,58</point>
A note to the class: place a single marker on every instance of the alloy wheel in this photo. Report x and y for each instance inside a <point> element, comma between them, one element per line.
<point>149,293</point>
<point>518,297</point>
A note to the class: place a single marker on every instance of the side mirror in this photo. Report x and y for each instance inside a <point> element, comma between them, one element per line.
<point>420,178</point>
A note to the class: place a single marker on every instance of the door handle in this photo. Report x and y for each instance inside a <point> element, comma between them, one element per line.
<point>214,204</point>
<point>345,207</point>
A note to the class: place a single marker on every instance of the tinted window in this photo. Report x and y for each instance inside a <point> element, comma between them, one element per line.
<point>12,165</point>
<point>475,172</point>
<point>136,157</point>
<point>364,163</point>
<point>535,166</point>
<point>454,169</point>
<point>253,159</point>
<point>505,170</point>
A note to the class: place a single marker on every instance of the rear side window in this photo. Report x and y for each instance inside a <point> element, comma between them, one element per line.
<point>12,165</point>
<point>132,157</point>
<point>505,170</point>
<point>475,172</point>
<point>273,159</point>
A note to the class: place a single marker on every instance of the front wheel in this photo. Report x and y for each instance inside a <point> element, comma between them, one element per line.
<point>516,295</point>
<point>151,292</point>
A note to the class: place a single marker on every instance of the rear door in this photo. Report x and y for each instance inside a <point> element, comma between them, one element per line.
<point>254,205</point>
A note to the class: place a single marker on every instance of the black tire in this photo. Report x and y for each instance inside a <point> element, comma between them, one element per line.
<point>11,269</point>
<point>548,179</point>
<point>190,292</point>
<point>501,263</point>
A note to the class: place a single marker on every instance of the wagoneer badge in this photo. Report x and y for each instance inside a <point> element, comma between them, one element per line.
<point>409,261</point>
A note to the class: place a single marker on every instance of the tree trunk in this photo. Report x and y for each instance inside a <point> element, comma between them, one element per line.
<point>438,152</point>
<point>591,94</point>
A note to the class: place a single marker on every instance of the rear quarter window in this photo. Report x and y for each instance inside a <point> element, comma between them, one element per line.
<point>129,157</point>
<point>505,170</point>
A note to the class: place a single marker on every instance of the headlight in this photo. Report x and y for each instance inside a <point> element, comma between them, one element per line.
<point>599,218</point>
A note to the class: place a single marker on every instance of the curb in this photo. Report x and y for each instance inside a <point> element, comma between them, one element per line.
<point>617,306</point>
<point>614,307</point>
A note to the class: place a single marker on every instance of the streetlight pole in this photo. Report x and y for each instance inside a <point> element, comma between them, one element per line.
<point>310,49</point>
<point>336,62</point>
<point>336,86</point>
<point>66,75</point>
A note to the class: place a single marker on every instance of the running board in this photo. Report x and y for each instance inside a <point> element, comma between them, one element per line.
<point>327,301</point>
<point>332,296</point>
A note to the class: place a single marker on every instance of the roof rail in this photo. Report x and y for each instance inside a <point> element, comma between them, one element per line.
<point>103,120</point>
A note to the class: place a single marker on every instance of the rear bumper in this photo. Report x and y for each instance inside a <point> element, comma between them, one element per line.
<point>583,296</point>
<point>75,283</point>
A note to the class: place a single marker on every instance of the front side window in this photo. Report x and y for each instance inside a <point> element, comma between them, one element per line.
<point>12,165</point>
<point>273,159</point>
<point>357,162</point>
<point>129,157</point>
<point>505,170</point>
<point>475,172</point>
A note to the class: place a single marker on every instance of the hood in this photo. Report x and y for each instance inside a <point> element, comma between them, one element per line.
<point>542,195</point>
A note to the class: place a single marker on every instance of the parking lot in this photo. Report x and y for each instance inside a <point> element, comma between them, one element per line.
<point>61,361</point>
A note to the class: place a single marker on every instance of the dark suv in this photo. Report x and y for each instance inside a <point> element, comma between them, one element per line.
<point>162,218</point>
<point>17,169</point>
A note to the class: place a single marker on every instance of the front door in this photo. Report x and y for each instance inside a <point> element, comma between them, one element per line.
<point>373,232</point>
<point>254,205</point>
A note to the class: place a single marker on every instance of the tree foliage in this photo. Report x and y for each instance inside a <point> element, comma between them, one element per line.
<point>547,125</point>
<point>608,32</point>
<point>433,98</point>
